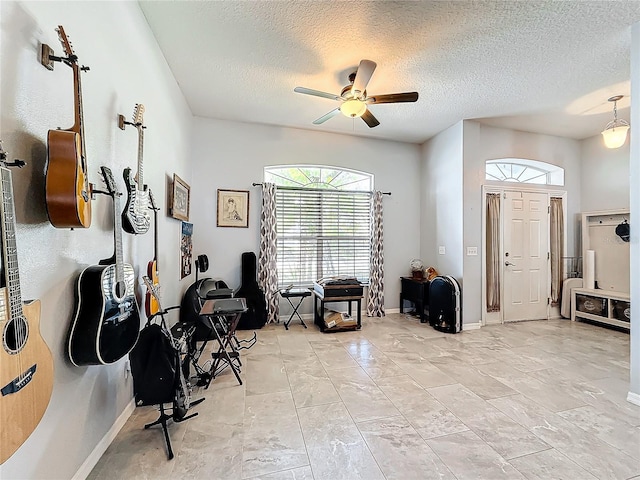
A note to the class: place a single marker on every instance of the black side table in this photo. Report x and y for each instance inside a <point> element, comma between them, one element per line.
<point>417,292</point>
<point>300,294</point>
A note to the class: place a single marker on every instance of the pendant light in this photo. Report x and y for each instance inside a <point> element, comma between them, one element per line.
<point>615,133</point>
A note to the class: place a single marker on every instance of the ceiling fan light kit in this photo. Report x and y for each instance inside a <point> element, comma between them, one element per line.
<point>354,97</point>
<point>615,133</point>
<point>353,108</point>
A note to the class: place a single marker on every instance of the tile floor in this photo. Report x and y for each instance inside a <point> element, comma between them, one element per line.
<point>399,400</point>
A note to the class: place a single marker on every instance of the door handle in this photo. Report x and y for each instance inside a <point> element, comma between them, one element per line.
<point>509,264</point>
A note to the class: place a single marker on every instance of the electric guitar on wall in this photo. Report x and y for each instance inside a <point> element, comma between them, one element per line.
<point>151,304</point>
<point>106,323</point>
<point>68,192</point>
<point>135,216</point>
<point>26,364</point>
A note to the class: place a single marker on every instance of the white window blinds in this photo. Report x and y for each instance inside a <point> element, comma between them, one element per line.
<point>322,233</point>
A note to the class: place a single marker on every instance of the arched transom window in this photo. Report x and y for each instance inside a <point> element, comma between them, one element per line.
<point>310,176</point>
<point>521,170</point>
<point>322,222</point>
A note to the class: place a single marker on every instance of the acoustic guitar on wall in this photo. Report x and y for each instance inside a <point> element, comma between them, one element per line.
<point>68,192</point>
<point>106,322</point>
<point>26,364</point>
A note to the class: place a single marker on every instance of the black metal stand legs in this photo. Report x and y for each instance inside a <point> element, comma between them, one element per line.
<point>162,420</point>
<point>295,312</point>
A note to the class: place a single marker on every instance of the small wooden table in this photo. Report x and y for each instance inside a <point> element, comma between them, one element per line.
<point>318,314</point>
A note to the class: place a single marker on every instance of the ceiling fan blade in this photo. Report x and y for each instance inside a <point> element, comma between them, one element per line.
<point>369,119</point>
<point>326,117</point>
<point>317,93</point>
<point>363,75</point>
<point>393,98</point>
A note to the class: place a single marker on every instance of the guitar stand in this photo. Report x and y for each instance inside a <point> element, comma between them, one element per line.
<point>162,420</point>
<point>180,337</point>
<point>240,344</point>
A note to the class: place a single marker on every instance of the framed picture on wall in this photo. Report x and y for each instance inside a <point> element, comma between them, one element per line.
<point>180,196</point>
<point>233,208</point>
<point>186,249</point>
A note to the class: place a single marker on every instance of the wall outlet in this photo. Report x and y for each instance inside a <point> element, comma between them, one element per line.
<point>127,369</point>
<point>441,250</point>
<point>472,250</point>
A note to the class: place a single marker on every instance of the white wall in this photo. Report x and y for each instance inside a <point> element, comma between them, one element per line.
<point>634,180</point>
<point>231,155</point>
<point>604,179</point>
<point>127,67</point>
<point>441,200</point>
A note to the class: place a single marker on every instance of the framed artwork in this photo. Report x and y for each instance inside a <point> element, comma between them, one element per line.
<point>186,249</point>
<point>233,208</point>
<point>180,197</point>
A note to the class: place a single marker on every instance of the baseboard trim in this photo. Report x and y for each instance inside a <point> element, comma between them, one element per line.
<point>471,326</point>
<point>93,458</point>
<point>392,310</point>
<point>633,398</point>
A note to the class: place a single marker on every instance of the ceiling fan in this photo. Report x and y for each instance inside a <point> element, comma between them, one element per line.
<point>354,96</point>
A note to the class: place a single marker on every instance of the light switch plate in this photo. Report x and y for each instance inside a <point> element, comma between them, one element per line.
<point>472,251</point>
<point>441,250</point>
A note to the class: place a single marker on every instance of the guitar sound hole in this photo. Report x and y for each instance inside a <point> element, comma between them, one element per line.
<point>121,289</point>
<point>15,335</point>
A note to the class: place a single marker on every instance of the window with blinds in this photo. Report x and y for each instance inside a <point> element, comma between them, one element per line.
<point>322,233</point>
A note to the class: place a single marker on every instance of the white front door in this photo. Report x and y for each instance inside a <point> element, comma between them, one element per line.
<point>525,258</point>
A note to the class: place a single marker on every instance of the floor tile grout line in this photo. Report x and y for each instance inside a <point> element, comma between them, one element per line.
<point>293,400</point>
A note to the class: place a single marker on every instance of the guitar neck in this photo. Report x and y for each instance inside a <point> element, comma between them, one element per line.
<point>10,252</point>
<point>140,155</point>
<point>155,238</point>
<point>78,125</point>
<point>117,236</point>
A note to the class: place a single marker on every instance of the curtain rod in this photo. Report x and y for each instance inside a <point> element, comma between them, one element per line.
<point>319,189</point>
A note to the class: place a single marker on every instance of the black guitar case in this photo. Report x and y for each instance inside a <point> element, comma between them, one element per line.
<point>256,315</point>
<point>445,312</point>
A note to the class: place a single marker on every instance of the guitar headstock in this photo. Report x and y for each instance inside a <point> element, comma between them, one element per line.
<point>138,113</point>
<point>153,289</point>
<point>109,181</point>
<point>64,40</point>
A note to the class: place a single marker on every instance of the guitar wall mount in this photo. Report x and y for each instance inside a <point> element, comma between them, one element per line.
<point>47,58</point>
<point>46,54</point>
<point>122,123</point>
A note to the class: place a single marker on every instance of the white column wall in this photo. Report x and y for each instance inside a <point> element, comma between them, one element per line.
<point>88,404</point>
<point>441,200</point>
<point>634,180</point>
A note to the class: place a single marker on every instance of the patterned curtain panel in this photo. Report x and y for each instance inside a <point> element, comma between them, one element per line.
<point>493,252</point>
<point>267,263</point>
<point>557,245</point>
<point>375,301</point>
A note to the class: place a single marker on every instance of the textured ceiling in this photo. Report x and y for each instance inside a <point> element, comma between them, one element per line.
<point>538,66</point>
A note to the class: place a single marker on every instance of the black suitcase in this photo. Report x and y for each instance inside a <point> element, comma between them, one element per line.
<point>445,313</point>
